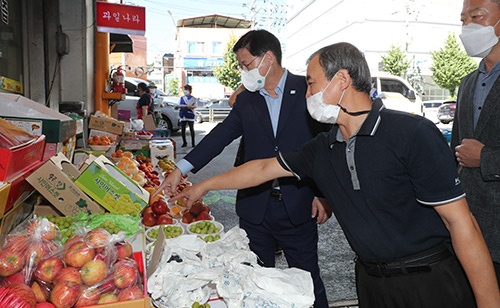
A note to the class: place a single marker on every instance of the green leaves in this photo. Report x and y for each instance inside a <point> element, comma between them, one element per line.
<point>228,74</point>
<point>395,62</point>
<point>450,65</point>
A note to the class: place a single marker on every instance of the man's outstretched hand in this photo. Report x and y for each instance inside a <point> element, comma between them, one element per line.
<point>190,194</point>
<point>169,184</point>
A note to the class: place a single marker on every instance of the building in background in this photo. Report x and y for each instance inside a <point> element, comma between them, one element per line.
<point>417,27</point>
<point>200,44</point>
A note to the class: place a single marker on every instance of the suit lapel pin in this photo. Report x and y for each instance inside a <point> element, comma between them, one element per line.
<point>292,92</point>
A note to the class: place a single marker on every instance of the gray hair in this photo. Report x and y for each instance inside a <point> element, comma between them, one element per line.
<point>343,55</point>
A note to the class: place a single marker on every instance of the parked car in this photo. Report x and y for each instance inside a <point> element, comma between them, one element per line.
<point>430,109</point>
<point>219,109</point>
<point>397,93</point>
<point>446,112</point>
<point>165,106</point>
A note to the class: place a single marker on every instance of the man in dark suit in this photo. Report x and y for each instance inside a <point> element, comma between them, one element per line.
<point>271,116</point>
<point>476,128</point>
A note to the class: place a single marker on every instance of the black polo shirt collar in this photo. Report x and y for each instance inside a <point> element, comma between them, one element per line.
<point>368,128</point>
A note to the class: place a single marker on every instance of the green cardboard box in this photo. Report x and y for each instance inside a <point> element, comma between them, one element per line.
<point>112,188</point>
<point>30,115</point>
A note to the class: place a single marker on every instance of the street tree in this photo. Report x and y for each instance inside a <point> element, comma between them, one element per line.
<point>173,87</point>
<point>450,64</point>
<point>227,73</point>
<point>395,62</point>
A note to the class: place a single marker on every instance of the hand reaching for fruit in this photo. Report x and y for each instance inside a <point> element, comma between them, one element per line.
<point>169,185</point>
<point>190,194</point>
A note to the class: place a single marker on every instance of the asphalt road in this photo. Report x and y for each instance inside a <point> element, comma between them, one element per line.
<point>335,255</point>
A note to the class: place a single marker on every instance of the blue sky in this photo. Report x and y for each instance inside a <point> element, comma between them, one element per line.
<point>159,23</point>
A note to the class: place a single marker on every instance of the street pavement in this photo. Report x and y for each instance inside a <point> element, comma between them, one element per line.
<point>335,255</point>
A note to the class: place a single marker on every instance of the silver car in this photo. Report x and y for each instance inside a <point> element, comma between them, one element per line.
<point>167,112</point>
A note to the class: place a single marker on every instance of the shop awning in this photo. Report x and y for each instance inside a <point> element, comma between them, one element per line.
<point>120,43</point>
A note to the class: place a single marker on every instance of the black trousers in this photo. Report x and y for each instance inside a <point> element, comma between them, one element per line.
<point>443,286</point>
<point>191,131</point>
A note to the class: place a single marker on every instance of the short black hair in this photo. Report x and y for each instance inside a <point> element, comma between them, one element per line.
<point>143,86</point>
<point>188,87</point>
<point>258,42</point>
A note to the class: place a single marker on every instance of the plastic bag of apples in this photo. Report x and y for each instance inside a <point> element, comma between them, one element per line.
<point>91,268</point>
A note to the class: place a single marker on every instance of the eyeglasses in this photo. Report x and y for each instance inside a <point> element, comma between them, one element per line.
<point>244,67</point>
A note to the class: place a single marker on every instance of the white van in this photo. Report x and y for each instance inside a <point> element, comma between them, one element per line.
<point>397,93</point>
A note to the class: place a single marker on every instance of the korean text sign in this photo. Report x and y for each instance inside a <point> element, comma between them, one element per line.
<point>120,18</point>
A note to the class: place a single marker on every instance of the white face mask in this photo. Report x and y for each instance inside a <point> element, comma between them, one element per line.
<point>478,40</point>
<point>186,92</point>
<point>252,80</point>
<point>321,112</point>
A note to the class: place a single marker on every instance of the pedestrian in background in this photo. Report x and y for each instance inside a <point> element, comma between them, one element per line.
<point>476,127</point>
<point>270,115</point>
<point>392,183</point>
<point>187,104</point>
<point>145,103</point>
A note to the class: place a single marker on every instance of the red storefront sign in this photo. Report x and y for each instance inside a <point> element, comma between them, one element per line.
<point>120,18</point>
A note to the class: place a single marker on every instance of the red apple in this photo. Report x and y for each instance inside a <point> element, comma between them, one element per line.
<point>72,240</point>
<point>164,219</point>
<point>196,208</point>
<point>78,254</point>
<point>125,274</point>
<point>44,227</point>
<point>69,274</point>
<point>203,216</point>
<point>19,277</point>
<point>107,298</point>
<point>48,269</point>
<point>94,272</point>
<point>147,209</point>
<point>88,297</point>
<point>17,294</point>
<point>36,252</point>
<point>98,237</point>
<point>107,285</point>
<point>64,294</point>
<point>41,292</point>
<point>44,305</point>
<point>130,293</point>
<point>16,242</point>
<point>160,207</point>
<point>11,261</point>
<point>149,219</point>
<point>124,250</point>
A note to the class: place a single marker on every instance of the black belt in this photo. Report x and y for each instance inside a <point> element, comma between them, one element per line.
<point>276,194</point>
<point>418,263</point>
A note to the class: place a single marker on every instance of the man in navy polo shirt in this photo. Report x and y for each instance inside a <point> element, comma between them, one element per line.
<point>392,183</point>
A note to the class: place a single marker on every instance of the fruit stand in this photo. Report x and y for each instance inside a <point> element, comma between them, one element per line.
<point>85,232</point>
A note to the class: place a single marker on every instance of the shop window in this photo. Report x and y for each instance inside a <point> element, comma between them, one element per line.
<point>11,53</point>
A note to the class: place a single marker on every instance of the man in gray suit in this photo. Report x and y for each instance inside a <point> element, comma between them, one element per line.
<point>476,128</point>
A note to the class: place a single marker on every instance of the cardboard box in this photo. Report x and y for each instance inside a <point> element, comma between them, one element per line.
<point>134,145</point>
<point>4,196</point>
<point>21,210</point>
<point>18,189</point>
<point>160,149</point>
<point>24,112</point>
<point>66,147</point>
<point>54,181</point>
<point>110,187</point>
<point>128,136</point>
<point>17,160</point>
<point>106,125</point>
